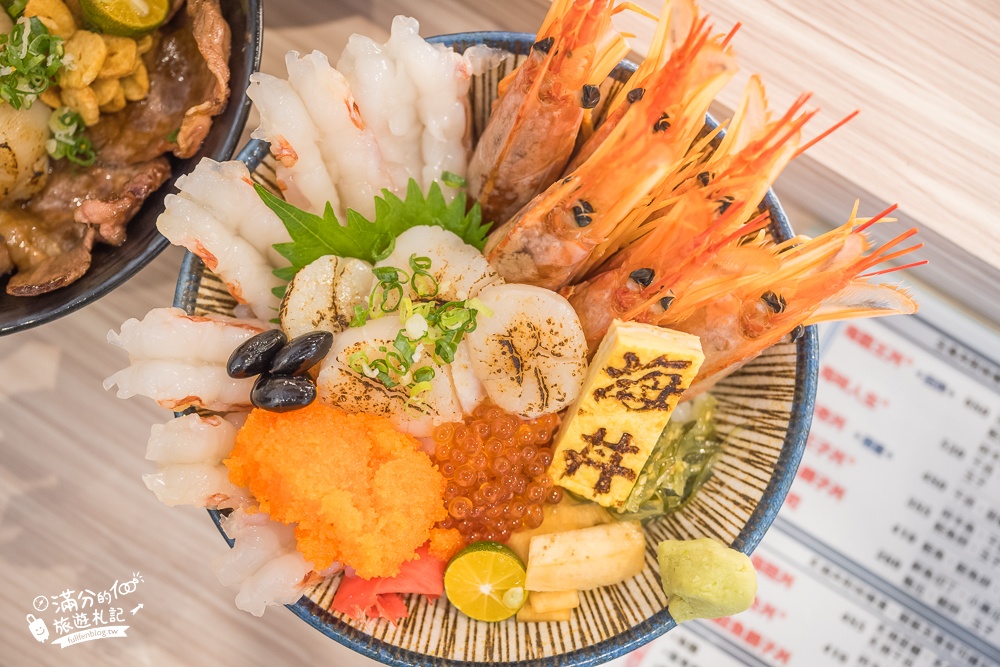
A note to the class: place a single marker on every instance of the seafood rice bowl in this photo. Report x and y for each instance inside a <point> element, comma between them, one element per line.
<point>489,348</point>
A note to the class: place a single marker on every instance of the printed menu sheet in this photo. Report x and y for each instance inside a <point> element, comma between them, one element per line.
<point>887,550</point>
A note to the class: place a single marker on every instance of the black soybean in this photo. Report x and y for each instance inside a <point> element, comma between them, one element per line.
<point>282,394</point>
<point>302,353</point>
<point>254,356</point>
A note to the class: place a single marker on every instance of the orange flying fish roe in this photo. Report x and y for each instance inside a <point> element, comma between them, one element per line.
<point>361,492</point>
<point>445,543</point>
<point>495,465</point>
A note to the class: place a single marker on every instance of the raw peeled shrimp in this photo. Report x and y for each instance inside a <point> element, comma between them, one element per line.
<point>264,562</point>
<point>246,273</point>
<point>576,221</point>
<point>257,539</point>
<point>279,581</point>
<point>530,354</point>
<point>170,333</point>
<point>386,98</point>
<point>225,189</point>
<point>188,452</point>
<point>348,147</point>
<point>196,484</point>
<point>532,130</point>
<point>176,385</point>
<point>459,270</point>
<point>191,439</point>
<point>441,78</point>
<point>413,97</point>
<point>218,233</point>
<point>303,176</point>
<point>179,360</point>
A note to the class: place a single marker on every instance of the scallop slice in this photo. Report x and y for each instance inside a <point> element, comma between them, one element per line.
<point>531,354</point>
<point>469,390</point>
<point>460,270</point>
<point>342,387</point>
<point>323,294</point>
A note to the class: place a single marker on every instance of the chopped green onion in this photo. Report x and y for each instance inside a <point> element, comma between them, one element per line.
<point>423,283</point>
<point>16,8</point>
<point>29,59</point>
<point>425,374</point>
<point>421,263</point>
<point>420,388</point>
<point>360,316</point>
<point>453,180</point>
<point>424,322</point>
<point>68,138</point>
<point>479,307</point>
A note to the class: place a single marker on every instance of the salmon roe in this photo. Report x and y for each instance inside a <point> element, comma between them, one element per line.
<point>495,468</point>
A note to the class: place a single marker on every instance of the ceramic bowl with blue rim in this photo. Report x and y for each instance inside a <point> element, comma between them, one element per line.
<point>113,265</point>
<point>766,407</point>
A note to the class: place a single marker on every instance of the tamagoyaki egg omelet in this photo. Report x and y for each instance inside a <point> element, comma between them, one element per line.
<point>634,382</point>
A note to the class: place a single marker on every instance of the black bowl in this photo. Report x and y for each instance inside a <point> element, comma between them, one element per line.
<point>112,266</point>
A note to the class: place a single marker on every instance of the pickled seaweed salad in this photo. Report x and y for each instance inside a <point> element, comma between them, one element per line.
<point>680,464</point>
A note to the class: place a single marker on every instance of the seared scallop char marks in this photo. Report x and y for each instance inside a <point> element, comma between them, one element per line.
<point>530,353</point>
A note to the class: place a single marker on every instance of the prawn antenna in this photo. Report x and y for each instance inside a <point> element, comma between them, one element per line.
<point>843,121</point>
<point>732,33</point>
<point>878,217</point>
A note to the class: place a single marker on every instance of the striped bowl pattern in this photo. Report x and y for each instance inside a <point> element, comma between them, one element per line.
<point>766,407</point>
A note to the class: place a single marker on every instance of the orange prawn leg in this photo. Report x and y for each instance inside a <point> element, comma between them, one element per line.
<point>534,124</point>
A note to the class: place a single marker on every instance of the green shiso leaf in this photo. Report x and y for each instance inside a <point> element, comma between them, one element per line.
<point>314,236</point>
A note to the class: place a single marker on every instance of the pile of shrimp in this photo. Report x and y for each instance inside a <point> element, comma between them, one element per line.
<point>634,210</point>
<point>655,219</point>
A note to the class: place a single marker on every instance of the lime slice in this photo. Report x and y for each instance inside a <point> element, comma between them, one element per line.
<point>127,18</point>
<point>485,580</point>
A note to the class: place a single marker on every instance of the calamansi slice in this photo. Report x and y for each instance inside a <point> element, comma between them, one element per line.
<point>485,580</point>
<point>127,18</point>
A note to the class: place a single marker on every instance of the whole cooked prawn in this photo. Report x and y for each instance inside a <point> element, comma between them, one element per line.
<point>657,265</point>
<point>742,293</point>
<point>732,179</point>
<point>558,231</point>
<point>534,124</point>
